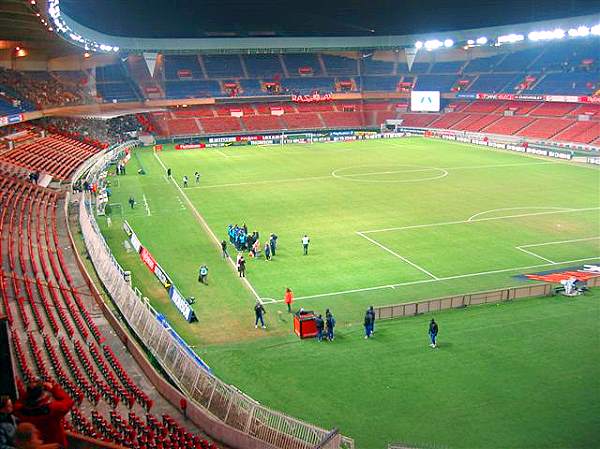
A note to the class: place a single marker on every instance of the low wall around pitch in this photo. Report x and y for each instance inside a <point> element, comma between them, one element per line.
<point>468,299</point>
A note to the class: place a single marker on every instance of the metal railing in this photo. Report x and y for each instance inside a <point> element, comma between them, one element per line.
<point>221,400</point>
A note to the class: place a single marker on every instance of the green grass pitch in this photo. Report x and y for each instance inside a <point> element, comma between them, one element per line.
<point>390,221</point>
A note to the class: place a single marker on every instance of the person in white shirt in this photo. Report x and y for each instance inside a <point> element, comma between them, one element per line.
<point>305,242</point>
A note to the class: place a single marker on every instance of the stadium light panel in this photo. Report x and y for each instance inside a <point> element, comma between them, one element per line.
<point>418,45</point>
<point>470,42</point>
<point>433,44</point>
<point>581,31</point>
<point>448,43</point>
<point>595,30</point>
<point>510,38</point>
<point>482,40</point>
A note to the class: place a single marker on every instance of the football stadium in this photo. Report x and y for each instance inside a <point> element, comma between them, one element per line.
<point>299,225</point>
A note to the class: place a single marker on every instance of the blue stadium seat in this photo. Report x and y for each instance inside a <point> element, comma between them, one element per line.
<point>379,83</point>
<point>372,66</point>
<point>339,65</point>
<point>263,66</point>
<point>574,83</point>
<point>308,85</point>
<point>294,62</point>
<point>493,82</point>
<point>420,67</point>
<point>223,66</point>
<point>447,67</point>
<point>175,63</point>
<point>517,61</point>
<point>251,87</point>
<point>443,83</point>
<point>478,65</point>
<point>192,88</point>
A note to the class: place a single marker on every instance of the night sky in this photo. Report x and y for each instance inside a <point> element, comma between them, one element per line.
<point>201,18</point>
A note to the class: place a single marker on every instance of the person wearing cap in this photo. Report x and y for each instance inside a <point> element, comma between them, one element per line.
<point>44,405</point>
<point>433,331</point>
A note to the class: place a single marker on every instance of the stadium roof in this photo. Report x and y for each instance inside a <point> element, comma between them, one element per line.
<point>247,18</point>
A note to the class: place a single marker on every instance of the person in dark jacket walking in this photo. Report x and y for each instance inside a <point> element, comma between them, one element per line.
<point>433,331</point>
<point>330,321</point>
<point>224,249</point>
<point>267,251</point>
<point>259,312</point>
<point>8,423</point>
<point>44,405</point>
<point>368,323</point>
<point>242,267</point>
<point>372,312</point>
<point>273,244</point>
<point>320,326</point>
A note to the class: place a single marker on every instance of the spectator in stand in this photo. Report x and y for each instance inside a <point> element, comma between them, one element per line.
<point>28,437</point>
<point>44,405</point>
<point>8,423</point>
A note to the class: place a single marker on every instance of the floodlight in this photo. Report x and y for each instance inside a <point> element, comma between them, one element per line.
<point>595,30</point>
<point>482,40</point>
<point>448,43</point>
<point>510,38</point>
<point>433,44</point>
<point>470,42</point>
<point>418,45</point>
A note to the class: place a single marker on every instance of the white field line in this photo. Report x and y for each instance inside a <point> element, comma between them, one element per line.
<point>531,253</point>
<point>473,217</point>
<point>504,217</point>
<point>350,176</point>
<point>165,177</point>
<point>208,229</point>
<point>146,206</point>
<point>559,242</point>
<point>447,278</point>
<point>535,245</point>
<point>385,248</point>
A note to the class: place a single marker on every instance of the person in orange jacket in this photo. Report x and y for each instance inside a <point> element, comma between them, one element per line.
<point>44,405</point>
<point>289,298</point>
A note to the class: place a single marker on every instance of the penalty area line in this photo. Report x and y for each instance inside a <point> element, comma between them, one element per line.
<point>428,281</point>
<point>385,248</point>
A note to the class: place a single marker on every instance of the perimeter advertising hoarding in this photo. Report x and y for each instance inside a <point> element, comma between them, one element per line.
<point>425,101</point>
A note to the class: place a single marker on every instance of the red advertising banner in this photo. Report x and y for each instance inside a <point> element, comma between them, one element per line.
<point>190,146</point>
<point>148,259</point>
<point>314,98</point>
<point>158,147</point>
